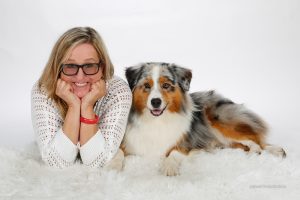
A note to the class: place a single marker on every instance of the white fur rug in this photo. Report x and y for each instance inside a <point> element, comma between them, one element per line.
<point>224,174</point>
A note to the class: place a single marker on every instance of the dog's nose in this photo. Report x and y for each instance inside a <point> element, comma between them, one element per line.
<point>155,102</point>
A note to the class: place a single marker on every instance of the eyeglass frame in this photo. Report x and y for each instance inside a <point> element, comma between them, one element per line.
<point>78,67</point>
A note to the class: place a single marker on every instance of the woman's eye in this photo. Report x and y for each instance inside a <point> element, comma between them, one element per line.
<point>71,65</point>
<point>89,65</point>
<point>166,86</point>
<point>147,86</point>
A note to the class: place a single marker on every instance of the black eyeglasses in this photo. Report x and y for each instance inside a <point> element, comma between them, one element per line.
<point>72,69</point>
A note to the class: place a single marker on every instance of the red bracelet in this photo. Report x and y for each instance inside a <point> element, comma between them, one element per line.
<point>89,121</point>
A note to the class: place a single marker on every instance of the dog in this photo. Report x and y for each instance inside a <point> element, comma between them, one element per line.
<point>167,121</point>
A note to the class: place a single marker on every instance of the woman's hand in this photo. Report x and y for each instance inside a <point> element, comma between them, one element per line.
<point>65,91</point>
<point>98,90</point>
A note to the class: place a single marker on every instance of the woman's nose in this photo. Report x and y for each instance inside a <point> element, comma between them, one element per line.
<point>80,75</point>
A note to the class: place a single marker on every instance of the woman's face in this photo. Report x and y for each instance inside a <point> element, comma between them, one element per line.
<point>82,54</point>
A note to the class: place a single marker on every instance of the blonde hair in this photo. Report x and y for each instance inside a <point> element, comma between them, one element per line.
<point>61,50</point>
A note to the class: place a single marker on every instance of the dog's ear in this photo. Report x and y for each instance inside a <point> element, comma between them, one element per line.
<point>184,76</point>
<point>133,74</point>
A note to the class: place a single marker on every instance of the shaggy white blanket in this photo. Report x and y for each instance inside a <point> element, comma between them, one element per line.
<point>223,174</point>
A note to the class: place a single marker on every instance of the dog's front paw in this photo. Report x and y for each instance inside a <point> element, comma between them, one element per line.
<point>170,166</point>
<point>275,150</point>
<point>116,163</point>
<point>255,149</point>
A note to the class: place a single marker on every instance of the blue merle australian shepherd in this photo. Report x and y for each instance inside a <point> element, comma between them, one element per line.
<point>168,121</point>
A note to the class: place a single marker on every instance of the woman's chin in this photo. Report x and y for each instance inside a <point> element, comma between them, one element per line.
<point>80,94</point>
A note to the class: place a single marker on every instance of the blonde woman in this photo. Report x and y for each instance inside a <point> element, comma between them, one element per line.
<point>79,109</point>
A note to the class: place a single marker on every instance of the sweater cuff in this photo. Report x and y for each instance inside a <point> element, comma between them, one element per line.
<point>65,147</point>
<point>92,149</point>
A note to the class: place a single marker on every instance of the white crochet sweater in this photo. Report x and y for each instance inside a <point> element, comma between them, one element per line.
<point>57,149</point>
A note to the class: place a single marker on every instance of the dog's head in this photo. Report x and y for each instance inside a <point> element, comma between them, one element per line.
<point>158,87</point>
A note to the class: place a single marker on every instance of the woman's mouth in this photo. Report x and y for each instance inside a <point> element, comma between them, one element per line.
<point>81,84</point>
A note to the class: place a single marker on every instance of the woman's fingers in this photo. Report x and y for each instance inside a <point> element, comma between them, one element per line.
<point>98,90</point>
<point>64,90</point>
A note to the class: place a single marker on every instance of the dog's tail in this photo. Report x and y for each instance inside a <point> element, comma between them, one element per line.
<point>224,111</point>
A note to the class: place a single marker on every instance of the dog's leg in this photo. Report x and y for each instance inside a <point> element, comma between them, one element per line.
<point>116,163</point>
<point>237,145</point>
<point>171,164</point>
<point>275,150</point>
<point>253,147</point>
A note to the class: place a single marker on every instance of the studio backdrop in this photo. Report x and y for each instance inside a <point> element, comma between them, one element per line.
<point>248,51</point>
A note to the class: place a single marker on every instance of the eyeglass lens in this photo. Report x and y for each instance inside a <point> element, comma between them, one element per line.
<point>88,69</point>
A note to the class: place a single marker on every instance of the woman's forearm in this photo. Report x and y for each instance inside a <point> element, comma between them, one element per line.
<point>71,124</point>
<point>87,130</point>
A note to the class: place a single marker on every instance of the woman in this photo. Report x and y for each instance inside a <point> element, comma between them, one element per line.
<point>78,106</point>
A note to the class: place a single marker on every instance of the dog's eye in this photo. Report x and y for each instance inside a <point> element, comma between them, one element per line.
<point>147,86</point>
<point>166,86</point>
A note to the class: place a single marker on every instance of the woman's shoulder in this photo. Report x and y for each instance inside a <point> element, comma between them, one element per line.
<point>38,89</point>
<point>117,80</point>
<point>116,84</point>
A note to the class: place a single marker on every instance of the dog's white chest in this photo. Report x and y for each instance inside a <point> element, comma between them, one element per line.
<point>149,136</point>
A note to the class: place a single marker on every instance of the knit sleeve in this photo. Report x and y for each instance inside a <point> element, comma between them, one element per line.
<point>55,147</point>
<point>113,110</point>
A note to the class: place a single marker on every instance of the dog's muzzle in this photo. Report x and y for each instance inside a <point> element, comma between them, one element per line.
<point>156,102</point>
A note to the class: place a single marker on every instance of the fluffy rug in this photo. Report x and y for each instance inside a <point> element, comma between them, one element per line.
<point>223,174</point>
